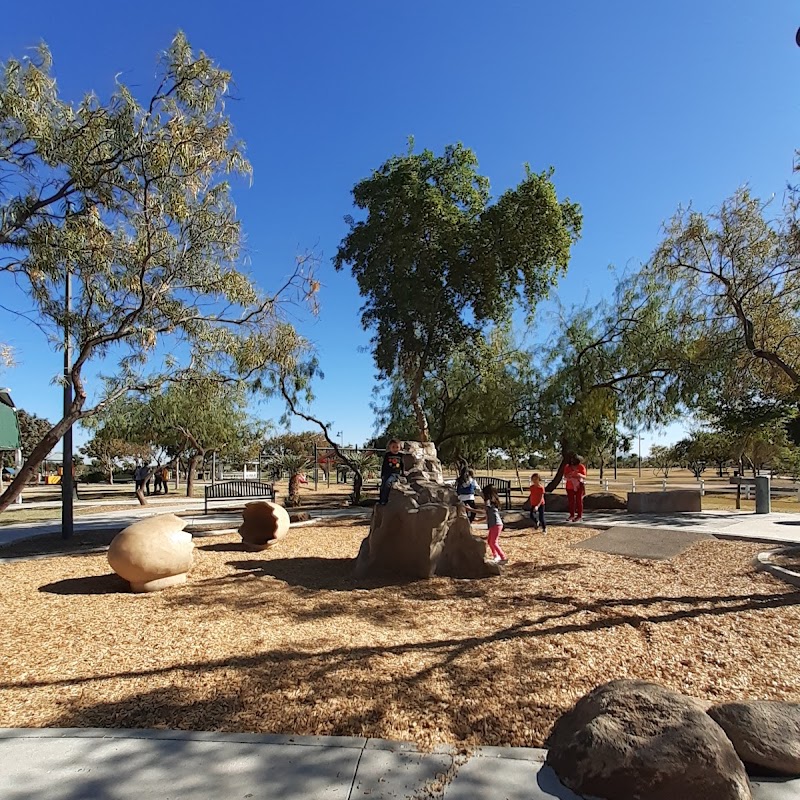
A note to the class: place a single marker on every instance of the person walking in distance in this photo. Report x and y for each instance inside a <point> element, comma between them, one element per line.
<point>536,501</point>
<point>391,470</point>
<point>575,482</point>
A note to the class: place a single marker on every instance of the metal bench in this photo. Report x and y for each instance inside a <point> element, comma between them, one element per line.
<point>502,485</point>
<point>228,490</point>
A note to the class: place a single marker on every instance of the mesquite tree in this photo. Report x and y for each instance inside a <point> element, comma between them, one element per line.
<point>131,200</point>
<point>436,261</point>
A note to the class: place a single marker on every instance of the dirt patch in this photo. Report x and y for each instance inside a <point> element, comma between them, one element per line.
<point>286,641</point>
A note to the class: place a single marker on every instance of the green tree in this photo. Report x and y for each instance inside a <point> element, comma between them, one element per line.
<point>662,459</point>
<point>735,275</point>
<point>435,260</point>
<point>623,364</point>
<point>111,452</point>
<point>295,464</point>
<point>300,442</point>
<point>187,422</point>
<point>693,452</point>
<point>132,201</point>
<point>479,397</point>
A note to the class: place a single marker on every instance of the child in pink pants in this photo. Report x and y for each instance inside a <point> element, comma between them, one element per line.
<point>494,522</point>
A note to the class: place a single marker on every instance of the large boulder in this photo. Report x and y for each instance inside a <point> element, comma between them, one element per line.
<point>263,523</point>
<point>631,739</point>
<point>152,554</point>
<point>604,501</point>
<point>422,531</point>
<point>555,503</point>
<point>765,733</point>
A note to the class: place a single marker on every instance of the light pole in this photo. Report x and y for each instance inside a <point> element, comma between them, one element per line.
<point>341,438</point>
<point>640,455</point>
<point>66,460</point>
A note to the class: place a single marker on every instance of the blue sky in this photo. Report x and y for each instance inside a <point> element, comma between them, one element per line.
<point>639,107</point>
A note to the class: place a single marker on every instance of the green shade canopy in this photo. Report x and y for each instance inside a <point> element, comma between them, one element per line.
<point>9,428</point>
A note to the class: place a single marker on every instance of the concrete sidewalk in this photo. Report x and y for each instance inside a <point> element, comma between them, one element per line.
<point>89,523</point>
<point>777,528</point>
<point>102,764</point>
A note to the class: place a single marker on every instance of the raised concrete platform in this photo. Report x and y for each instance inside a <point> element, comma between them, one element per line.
<point>672,502</point>
<point>103,764</point>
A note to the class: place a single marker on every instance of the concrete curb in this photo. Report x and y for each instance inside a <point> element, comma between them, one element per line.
<point>762,562</point>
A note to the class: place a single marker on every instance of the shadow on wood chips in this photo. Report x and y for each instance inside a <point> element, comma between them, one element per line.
<point>95,584</point>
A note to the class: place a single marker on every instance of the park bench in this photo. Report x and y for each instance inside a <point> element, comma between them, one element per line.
<point>228,490</point>
<point>502,485</point>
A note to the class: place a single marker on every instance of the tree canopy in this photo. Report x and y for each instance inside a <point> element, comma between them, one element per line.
<point>734,274</point>
<point>435,259</point>
<point>132,200</point>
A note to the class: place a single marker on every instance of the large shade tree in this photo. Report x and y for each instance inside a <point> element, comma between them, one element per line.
<point>624,364</point>
<point>735,275</point>
<point>477,398</point>
<point>131,200</point>
<point>435,259</point>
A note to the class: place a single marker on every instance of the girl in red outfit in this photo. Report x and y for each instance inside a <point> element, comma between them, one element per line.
<point>575,481</point>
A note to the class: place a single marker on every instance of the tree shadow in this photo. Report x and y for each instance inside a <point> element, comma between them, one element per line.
<point>94,584</point>
<point>315,573</point>
<point>224,547</point>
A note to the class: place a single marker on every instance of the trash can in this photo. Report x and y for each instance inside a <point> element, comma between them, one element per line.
<point>762,494</point>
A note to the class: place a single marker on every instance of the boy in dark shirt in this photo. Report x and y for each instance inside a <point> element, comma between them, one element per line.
<point>391,470</point>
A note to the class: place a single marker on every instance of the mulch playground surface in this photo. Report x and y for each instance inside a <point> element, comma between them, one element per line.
<point>286,641</point>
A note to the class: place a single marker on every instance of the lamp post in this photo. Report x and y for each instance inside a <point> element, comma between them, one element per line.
<point>66,460</point>
<point>640,455</point>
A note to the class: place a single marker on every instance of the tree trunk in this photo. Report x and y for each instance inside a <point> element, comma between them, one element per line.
<point>358,482</point>
<point>553,485</point>
<point>294,490</point>
<point>190,471</point>
<point>39,453</point>
<point>419,411</point>
<point>602,467</point>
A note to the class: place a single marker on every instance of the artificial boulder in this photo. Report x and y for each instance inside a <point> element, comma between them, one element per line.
<point>765,734</point>
<point>152,554</point>
<point>420,460</point>
<point>263,524</point>
<point>627,740</point>
<point>423,531</point>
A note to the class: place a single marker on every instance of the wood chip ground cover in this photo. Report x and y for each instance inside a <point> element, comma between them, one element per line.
<point>287,642</point>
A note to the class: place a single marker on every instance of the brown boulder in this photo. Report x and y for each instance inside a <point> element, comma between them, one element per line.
<point>152,554</point>
<point>423,530</point>
<point>628,739</point>
<point>263,523</point>
<point>765,733</point>
<point>604,501</point>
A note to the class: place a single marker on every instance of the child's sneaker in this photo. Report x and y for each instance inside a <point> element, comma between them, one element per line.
<point>502,562</point>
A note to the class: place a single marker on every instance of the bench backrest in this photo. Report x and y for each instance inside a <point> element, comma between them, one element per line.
<point>501,484</point>
<point>239,489</point>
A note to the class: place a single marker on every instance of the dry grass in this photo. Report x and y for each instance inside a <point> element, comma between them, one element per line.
<point>285,641</point>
